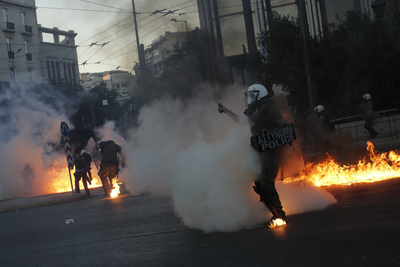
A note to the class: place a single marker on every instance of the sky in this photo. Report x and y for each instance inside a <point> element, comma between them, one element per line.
<point>105,29</point>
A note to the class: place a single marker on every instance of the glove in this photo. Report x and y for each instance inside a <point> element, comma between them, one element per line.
<point>220,108</point>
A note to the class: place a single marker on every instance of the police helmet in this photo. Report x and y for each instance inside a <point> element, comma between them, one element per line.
<point>319,108</point>
<point>366,97</point>
<point>255,93</point>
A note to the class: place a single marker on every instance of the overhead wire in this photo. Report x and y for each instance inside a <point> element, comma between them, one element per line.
<point>124,27</point>
<point>120,10</point>
<point>83,10</point>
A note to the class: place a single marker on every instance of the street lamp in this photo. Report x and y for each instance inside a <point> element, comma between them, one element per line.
<point>379,8</point>
<point>309,66</point>
<point>181,21</point>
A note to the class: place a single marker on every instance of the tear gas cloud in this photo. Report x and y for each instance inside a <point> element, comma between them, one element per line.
<point>203,160</point>
<point>30,134</point>
<point>30,131</point>
<point>182,149</point>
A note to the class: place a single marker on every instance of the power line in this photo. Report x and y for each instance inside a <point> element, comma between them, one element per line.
<point>171,10</point>
<point>83,10</point>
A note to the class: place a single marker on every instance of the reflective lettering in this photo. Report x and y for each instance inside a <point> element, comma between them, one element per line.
<point>277,138</point>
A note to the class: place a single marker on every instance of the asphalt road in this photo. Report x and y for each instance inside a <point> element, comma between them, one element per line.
<point>362,229</point>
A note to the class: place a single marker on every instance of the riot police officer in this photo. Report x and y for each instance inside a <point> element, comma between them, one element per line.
<point>273,137</point>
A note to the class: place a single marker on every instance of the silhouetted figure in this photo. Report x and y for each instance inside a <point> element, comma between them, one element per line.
<point>28,174</point>
<point>368,114</point>
<point>88,164</point>
<point>320,129</point>
<point>109,166</point>
<point>272,135</point>
<point>80,173</point>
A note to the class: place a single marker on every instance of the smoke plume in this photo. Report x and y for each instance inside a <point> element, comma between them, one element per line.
<point>203,160</point>
<point>183,149</point>
<point>30,131</point>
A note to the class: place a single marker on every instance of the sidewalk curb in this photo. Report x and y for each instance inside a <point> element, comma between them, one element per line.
<point>44,203</point>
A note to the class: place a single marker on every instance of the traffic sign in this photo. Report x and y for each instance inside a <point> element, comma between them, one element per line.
<point>69,153</point>
<point>64,129</point>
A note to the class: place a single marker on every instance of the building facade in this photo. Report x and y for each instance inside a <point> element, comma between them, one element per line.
<point>58,55</point>
<point>19,43</point>
<point>26,57</point>
<point>122,82</point>
<point>157,54</point>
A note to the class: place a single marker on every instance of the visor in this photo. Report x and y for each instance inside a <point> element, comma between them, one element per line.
<point>251,97</point>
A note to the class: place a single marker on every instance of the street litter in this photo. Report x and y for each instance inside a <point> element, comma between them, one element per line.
<point>68,221</point>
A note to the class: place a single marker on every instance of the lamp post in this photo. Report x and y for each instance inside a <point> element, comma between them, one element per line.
<point>309,66</point>
<point>13,67</point>
<point>379,8</point>
<point>181,21</point>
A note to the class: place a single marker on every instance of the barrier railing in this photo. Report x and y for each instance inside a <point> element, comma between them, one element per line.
<point>350,129</point>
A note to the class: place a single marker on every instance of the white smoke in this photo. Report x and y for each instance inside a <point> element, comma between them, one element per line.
<point>29,130</point>
<point>182,149</point>
<point>203,160</point>
<point>109,131</point>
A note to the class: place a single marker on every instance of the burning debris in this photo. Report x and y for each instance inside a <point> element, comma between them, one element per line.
<point>61,181</point>
<point>116,189</point>
<point>276,223</point>
<point>379,167</point>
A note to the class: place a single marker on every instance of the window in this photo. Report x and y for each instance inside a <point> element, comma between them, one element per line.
<point>53,70</point>
<point>10,48</point>
<point>23,18</point>
<point>49,70</point>
<point>27,47</point>
<point>9,45</point>
<point>58,70</point>
<point>65,71</point>
<point>30,75</point>
<point>25,25</point>
<point>10,25</point>
<point>69,71</point>
<point>28,51</point>
<point>5,15</point>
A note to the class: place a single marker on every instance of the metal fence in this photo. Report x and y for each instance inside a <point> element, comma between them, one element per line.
<point>351,129</point>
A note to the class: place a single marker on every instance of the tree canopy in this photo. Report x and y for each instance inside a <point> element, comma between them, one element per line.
<point>350,58</point>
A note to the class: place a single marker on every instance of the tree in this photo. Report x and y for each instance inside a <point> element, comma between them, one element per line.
<point>184,69</point>
<point>351,57</point>
<point>91,112</point>
<point>67,88</point>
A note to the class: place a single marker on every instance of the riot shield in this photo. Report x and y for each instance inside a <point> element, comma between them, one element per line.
<point>274,135</point>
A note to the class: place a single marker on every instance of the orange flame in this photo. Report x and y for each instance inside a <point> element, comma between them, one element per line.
<point>61,180</point>
<point>116,189</point>
<point>381,167</point>
<point>276,223</point>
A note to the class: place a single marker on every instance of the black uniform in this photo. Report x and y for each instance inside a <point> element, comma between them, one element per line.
<point>80,173</point>
<point>88,164</point>
<point>368,115</point>
<point>109,166</point>
<point>274,138</point>
<point>266,118</point>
